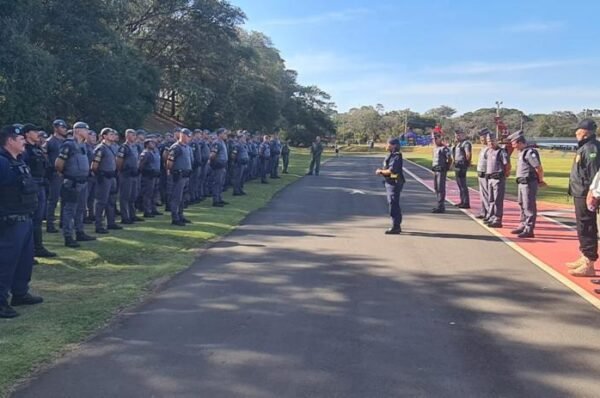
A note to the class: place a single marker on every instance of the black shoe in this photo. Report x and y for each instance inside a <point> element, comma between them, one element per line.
<point>70,242</point>
<point>186,221</point>
<point>243,193</point>
<point>88,220</point>
<point>167,209</point>
<point>126,222</point>
<point>51,229</point>
<point>179,223</point>
<point>218,204</point>
<point>43,252</point>
<point>264,182</point>
<point>157,213</point>
<point>517,231</point>
<point>495,225</point>
<point>309,174</point>
<point>224,202</point>
<point>7,312</point>
<point>83,237</point>
<point>27,299</point>
<point>148,215</point>
<point>35,261</point>
<point>138,219</point>
<point>486,222</point>
<point>525,234</point>
<point>101,231</point>
<point>462,206</point>
<point>237,194</point>
<point>393,231</point>
<point>114,226</point>
<point>316,174</point>
<point>438,211</point>
<point>480,217</point>
<point>276,177</point>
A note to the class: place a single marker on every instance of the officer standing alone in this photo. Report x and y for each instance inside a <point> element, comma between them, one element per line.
<point>530,176</point>
<point>19,195</point>
<point>285,155</point>
<point>462,153</point>
<point>394,182</point>
<point>179,167</point>
<point>440,166</point>
<point>316,149</point>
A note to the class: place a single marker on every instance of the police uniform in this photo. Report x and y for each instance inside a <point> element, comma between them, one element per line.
<point>393,186</point>
<point>91,188</point>
<point>497,160</point>
<point>241,160</point>
<point>180,158</point>
<point>204,169</point>
<point>19,193</point>
<point>106,185</point>
<point>55,180</point>
<point>218,163</point>
<point>150,170</point>
<point>316,149</point>
<point>128,180</point>
<point>441,160</point>
<point>74,188</point>
<point>196,170</point>
<point>527,186</point>
<point>285,156</point>
<point>36,160</point>
<point>275,154</point>
<point>461,165</point>
<point>264,155</point>
<point>483,185</point>
<point>253,153</point>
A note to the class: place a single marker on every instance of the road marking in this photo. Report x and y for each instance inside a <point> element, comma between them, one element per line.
<point>593,300</point>
<point>357,191</point>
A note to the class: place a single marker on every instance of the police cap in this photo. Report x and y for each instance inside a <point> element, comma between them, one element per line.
<point>517,135</point>
<point>10,130</point>
<point>186,132</point>
<point>483,131</point>
<point>587,124</point>
<point>106,130</point>
<point>27,127</point>
<point>59,123</point>
<point>81,125</point>
<point>394,141</point>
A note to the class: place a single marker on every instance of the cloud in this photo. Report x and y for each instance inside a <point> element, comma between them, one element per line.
<point>475,68</point>
<point>334,16</point>
<point>534,27</point>
<point>330,62</point>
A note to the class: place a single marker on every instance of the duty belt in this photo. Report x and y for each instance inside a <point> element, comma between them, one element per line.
<point>495,176</point>
<point>15,218</point>
<point>77,180</point>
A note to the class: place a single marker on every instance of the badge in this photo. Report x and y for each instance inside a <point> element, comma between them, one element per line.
<point>593,155</point>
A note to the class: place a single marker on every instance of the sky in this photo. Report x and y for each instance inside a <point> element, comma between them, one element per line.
<point>537,56</point>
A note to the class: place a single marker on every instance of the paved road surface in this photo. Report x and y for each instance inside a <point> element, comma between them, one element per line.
<point>309,299</point>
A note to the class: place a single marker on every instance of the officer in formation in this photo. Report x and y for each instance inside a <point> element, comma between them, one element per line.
<point>219,158</point>
<point>52,148</point>
<point>241,158</point>
<point>19,193</point>
<point>104,167</point>
<point>253,153</point>
<point>275,154</point>
<point>481,168</point>
<point>195,183</point>
<point>285,155</point>
<point>461,155</point>
<point>127,166</point>
<point>36,160</point>
<point>440,166</point>
<point>497,170</point>
<point>264,155</point>
<point>179,167</point>
<point>394,182</point>
<point>150,169</point>
<point>316,149</point>
<point>72,163</point>
<point>91,143</point>
<point>530,176</point>
<point>583,172</point>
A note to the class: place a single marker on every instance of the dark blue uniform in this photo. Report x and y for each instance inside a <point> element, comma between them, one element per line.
<point>393,187</point>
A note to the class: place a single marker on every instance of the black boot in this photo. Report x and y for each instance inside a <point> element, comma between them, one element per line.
<point>70,242</point>
<point>83,237</point>
<point>43,252</point>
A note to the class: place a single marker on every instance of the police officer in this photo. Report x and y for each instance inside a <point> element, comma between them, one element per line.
<point>168,178</point>
<point>72,163</point>
<point>264,156</point>
<point>203,189</point>
<point>179,167</point>
<point>90,145</point>
<point>481,168</point>
<point>241,159</point>
<point>316,149</point>
<point>218,162</point>
<point>394,182</point>
<point>275,154</point>
<point>253,153</point>
<point>104,167</point>
<point>150,168</point>
<point>52,148</point>
<point>440,166</point>
<point>285,155</point>
<point>585,167</point>
<point>461,156</point>
<point>36,160</point>
<point>530,175</point>
<point>497,170</point>
<point>127,166</point>
<point>19,193</point>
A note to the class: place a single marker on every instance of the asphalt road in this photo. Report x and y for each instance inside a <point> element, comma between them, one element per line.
<point>308,298</point>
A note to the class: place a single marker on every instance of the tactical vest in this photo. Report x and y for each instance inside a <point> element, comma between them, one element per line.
<point>440,157</point>
<point>36,161</point>
<point>151,160</point>
<point>494,161</point>
<point>183,159</point>
<point>264,150</point>
<point>460,153</point>
<point>76,166</point>
<point>524,169</point>
<point>19,198</point>
<point>130,161</point>
<point>482,161</point>
<point>108,162</point>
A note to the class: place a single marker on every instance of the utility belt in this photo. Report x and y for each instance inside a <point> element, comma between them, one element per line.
<point>151,173</point>
<point>13,219</point>
<point>495,176</point>
<point>526,180</point>
<point>130,173</point>
<point>181,173</point>
<point>461,165</point>
<point>77,180</point>
<point>438,168</point>
<point>481,174</point>
<point>107,174</point>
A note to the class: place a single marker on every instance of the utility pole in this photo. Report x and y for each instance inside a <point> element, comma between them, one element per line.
<point>498,103</point>
<point>406,120</point>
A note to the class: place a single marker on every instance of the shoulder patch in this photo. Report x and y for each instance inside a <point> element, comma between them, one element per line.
<point>593,155</point>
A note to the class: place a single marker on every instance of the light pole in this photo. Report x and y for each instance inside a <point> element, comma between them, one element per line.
<point>498,104</point>
<point>406,120</point>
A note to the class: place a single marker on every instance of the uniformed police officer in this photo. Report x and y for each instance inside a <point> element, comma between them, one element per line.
<point>104,167</point>
<point>72,163</point>
<point>52,148</point>
<point>19,195</point>
<point>585,167</point>
<point>196,148</point>
<point>394,182</point>
<point>150,169</point>
<point>497,170</point>
<point>285,155</point>
<point>203,189</point>
<point>264,156</point>
<point>253,153</point>
<point>168,178</point>
<point>91,143</point>
<point>275,154</point>
<point>179,167</point>
<point>530,176</point>
<point>316,149</point>
<point>481,167</point>
<point>461,157</point>
<point>127,166</point>
<point>440,166</point>
<point>36,160</point>
<point>241,160</point>
<point>218,163</point>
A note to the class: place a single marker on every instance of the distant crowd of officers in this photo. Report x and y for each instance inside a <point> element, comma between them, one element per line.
<point>96,177</point>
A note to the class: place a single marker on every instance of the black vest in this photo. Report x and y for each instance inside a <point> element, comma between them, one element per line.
<point>19,198</point>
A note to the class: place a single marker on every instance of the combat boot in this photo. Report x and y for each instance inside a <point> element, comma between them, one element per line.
<point>577,263</point>
<point>70,242</point>
<point>586,269</point>
<point>41,251</point>
<point>83,237</point>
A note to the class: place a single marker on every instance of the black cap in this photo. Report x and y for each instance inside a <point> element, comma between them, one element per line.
<point>587,124</point>
<point>10,130</point>
<point>81,125</point>
<point>186,132</point>
<point>106,130</point>
<point>59,123</point>
<point>394,141</point>
<point>27,127</point>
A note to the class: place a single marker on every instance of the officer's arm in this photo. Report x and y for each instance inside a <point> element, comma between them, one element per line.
<point>121,158</point>
<point>96,162</point>
<point>59,163</point>
<point>171,159</point>
<point>142,160</point>
<point>507,166</point>
<point>469,153</point>
<point>591,164</point>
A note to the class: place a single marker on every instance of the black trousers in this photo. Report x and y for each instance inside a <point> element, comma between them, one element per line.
<point>587,229</point>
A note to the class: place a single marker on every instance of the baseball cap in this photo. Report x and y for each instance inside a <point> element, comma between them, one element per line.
<point>10,130</point>
<point>587,124</point>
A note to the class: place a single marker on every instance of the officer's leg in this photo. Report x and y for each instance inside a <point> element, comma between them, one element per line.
<point>312,165</point>
<point>394,204</point>
<point>286,163</point>
<point>135,192</point>
<point>186,184</point>
<point>492,199</point>
<point>11,246</point>
<point>168,192</point>
<point>102,193</point>
<point>483,196</point>
<point>55,183</point>
<point>91,197</point>
<point>68,205</point>
<point>112,203</point>
<point>237,179</point>
<point>442,198</point>
<point>147,194</point>
<point>317,164</point>
<point>500,199</point>
<point>437,186</point>
<point>244,173</point>
<point>81,206</point>
<point>193,185</point>
<point>23,270</point>
<point>521,194</point>
<point>124,196</point>
<point>215,186</point>
<point>532,204</point>
<point>37,221</point>
<point>587,229</point>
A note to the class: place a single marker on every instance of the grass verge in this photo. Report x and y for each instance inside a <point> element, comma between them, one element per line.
<point>557,166</point>
<point>85,288</point>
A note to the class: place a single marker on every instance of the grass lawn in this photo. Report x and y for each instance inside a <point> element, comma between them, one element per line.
<point>84,288</point>
<point>557,166</point>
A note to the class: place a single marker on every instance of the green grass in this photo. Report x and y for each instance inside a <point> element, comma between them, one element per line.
<point>557,165</point>
<point>85,288</point>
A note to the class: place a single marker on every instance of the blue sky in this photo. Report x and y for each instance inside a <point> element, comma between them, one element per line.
<point>538,56</point>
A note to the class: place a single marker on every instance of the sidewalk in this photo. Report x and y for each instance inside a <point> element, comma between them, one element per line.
<point>554,243</point>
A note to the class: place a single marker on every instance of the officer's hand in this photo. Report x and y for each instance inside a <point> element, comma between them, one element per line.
<point>542,184</point>
<point>378,171</point>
